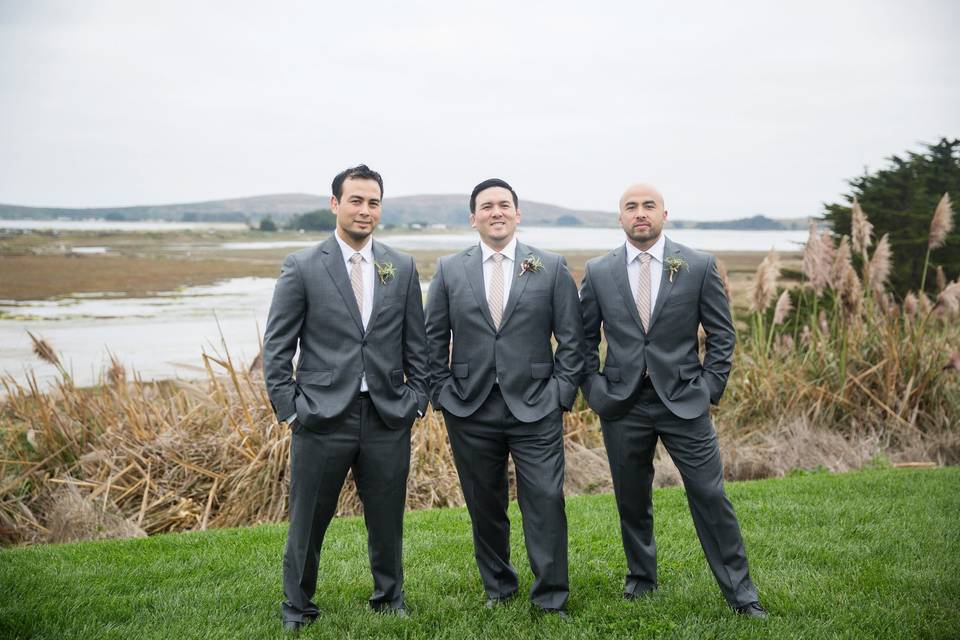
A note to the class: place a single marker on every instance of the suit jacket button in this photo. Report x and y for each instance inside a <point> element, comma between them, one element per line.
<point>363,343</point>
<point>496,337</point>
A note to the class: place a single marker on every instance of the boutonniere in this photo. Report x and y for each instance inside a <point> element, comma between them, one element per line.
<point>385,271</point>
<point>674,264</point>
<point>532,264</point>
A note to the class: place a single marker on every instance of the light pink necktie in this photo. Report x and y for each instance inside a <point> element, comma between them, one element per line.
<point>495,297</point>
<point>643,290</point>
<point>356,279</point>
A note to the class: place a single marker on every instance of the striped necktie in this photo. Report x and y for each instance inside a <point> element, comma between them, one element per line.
<point>495,296</point>
<point>356,280</point>
<point>643,290</point>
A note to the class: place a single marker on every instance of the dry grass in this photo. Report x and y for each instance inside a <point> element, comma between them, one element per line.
<point>128,457</point>
<point>850,359</point>
<point>843,377</point>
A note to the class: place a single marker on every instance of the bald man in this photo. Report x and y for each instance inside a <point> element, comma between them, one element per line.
<point>650,295</point>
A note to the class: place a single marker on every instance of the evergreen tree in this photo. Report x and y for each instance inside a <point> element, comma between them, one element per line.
<point>900,200</point>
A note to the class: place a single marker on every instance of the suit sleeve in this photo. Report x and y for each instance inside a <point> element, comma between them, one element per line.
<point>438,334</point>
<point>568,330</point>
<point>721,335</point>
<point>415,365</point>
<point>590,312</point>
<point>284,322</point>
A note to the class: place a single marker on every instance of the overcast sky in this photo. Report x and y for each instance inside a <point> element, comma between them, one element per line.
<point>731,108</point>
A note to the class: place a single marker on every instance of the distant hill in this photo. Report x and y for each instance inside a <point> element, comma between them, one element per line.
<point>232,210</point>
<point>754,223</point>
<point>446,209</point>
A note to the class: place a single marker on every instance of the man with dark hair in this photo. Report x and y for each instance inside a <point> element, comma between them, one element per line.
<point>502,390</point>
<point>353,306</point>
<point>649,296</point>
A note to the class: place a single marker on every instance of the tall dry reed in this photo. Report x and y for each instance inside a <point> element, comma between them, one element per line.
<point>848,358</point>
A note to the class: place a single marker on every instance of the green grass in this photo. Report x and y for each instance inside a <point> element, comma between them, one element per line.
<point>870,554</point>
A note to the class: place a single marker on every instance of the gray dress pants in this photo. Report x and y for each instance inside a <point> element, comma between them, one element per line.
<point>481,444</point>
<point>380,460</point>
<point>631,442</point>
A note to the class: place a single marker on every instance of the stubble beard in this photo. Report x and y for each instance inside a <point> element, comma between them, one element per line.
<point>643,237</point>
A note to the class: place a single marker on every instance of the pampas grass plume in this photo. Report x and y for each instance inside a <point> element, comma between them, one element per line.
<point>942,223</point>
<point>878,271</point>
<point>910,303</point>
<point>860,229</point>
<point>941,279</point>
<point>784,306</point>
<point>765,285</point>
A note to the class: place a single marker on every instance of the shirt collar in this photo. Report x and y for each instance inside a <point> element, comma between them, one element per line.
<point>656,251</point>
<point>366,251</point>
<point>509,252</point>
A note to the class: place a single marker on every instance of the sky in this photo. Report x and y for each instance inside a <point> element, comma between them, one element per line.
<point>731,109</point>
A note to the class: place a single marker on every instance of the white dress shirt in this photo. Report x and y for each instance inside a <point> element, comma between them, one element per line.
<point>509,253</point>
<point>366,270</point>
<point>656,268</point>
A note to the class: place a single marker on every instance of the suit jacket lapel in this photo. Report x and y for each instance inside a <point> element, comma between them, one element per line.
<point>379,257</point>
<point>666,284</point>
<point>473,266</point>
<point>332,258</point>
<point>618,267</point>
<point>519,283</point>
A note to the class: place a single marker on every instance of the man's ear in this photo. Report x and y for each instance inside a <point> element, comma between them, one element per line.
<point>334,203</point>
<point>665,212</point>
<point>518,215</point>
<point>473,220</point>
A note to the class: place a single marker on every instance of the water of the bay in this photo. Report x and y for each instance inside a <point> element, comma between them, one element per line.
<point>163,336</point>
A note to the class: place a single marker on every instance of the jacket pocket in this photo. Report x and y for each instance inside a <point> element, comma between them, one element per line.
<point>612,374</point>
<point>460,370</point>
<point>690,371</point>
<point>314,378</point>
<point>541,369</point>
<point>396,377</point>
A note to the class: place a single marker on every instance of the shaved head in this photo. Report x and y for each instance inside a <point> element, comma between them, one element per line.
<point>642,215</point>
<point>640,190</point>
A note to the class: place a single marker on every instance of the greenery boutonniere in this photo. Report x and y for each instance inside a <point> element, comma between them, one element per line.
<point>532,264</point>
<point>385,271</point>
<point>674,264</point>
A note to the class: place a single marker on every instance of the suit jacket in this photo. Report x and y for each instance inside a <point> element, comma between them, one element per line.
<point>314,306</point>
<point>533,379</point>
<point>669,350</point>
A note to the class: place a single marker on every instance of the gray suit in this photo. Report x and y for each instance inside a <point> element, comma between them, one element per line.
<point>652,386</point>
<point>519,416</point>
<point>337,428</point>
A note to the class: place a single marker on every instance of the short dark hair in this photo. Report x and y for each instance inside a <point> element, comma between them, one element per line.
<point>486,184</point>
<point>360,171</point>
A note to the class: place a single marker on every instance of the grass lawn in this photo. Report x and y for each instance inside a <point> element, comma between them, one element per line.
<point>869,554</point>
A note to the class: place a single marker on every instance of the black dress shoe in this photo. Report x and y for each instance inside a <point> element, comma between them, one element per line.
<point>752,610</point>
<point>492,603</point>
<point>292,626</point>
<point>400,612</point>
<point>636,595</point>
<point>560,613</point>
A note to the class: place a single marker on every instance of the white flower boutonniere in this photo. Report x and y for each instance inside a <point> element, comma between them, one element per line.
<point>385,271</point>
<point>532,264</point>
<point>674,264</point>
